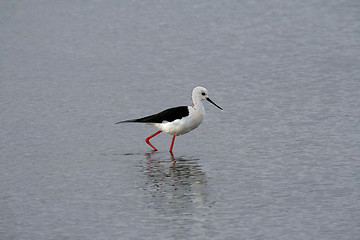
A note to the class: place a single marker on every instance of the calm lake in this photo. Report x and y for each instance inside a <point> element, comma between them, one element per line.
<point>282,161</point>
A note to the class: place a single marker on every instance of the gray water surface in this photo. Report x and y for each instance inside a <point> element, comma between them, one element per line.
<point>280,162</point>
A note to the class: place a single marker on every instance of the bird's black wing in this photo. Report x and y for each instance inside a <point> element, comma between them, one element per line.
<point>169,115</point>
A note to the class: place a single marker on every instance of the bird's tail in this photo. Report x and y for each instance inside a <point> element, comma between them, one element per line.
<point>139,120</point>
<point>131,120</point>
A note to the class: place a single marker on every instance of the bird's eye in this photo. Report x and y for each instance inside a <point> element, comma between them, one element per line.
<point>203,94</point>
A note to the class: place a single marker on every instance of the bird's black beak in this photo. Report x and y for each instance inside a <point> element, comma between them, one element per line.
<point>213,103</point>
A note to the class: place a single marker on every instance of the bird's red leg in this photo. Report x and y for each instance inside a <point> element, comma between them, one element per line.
<point>151,136</point>
<point>172,144</point>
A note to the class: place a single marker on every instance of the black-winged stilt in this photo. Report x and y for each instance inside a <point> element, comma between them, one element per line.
<point>178,120</point>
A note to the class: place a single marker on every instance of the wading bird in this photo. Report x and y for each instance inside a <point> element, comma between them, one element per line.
<point>178,120</point>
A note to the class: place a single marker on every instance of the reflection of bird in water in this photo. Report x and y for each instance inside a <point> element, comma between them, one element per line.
<point>178,120</point>
<point>177,188</point>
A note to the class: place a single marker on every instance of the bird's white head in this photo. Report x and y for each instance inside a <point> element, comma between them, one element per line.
<point>199,94</point>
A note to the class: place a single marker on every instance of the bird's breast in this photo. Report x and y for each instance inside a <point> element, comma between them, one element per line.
<point>196,119</point>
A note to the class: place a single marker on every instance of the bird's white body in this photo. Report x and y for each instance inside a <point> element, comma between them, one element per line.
<point>185,124</point>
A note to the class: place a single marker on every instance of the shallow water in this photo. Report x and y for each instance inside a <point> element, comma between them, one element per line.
<point>280,162</point>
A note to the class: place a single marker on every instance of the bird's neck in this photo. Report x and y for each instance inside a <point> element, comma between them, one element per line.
<point>198,106</point>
